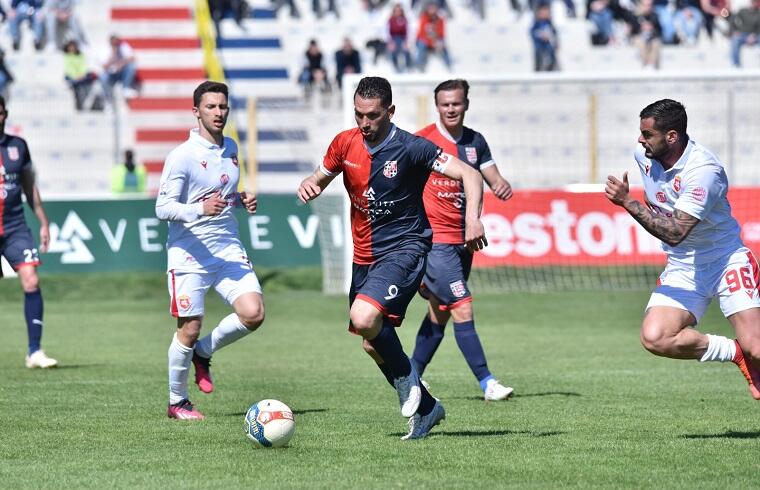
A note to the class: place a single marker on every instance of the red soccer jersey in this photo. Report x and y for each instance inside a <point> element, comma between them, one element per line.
<point>444,197</point>
<point>384,185</point>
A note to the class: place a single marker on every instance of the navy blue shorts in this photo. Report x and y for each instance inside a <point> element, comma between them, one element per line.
<point>446,275</point>
<point>389,283</point>
<point>18,248</point>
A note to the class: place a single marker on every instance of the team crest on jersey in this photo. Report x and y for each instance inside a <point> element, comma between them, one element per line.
<point>234,159</point>
<point>390,169</point>
<point>13,153</point>
<point>472,154</point>
<point>458,289</point>
<point>184,301</point>
<point>204,163</point>
<point>224,179</point>
<point>677,183</point>
<point>661,197</point>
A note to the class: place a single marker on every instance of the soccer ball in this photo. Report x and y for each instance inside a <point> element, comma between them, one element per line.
<point>269,423</point>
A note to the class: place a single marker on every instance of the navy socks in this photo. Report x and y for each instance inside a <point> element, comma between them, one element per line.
<point>33,315</point>
<point>429,338</point>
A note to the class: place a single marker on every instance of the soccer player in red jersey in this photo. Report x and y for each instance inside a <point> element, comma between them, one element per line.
<point>449,261</point>
<point>16,241</point>
<point>384,171</point>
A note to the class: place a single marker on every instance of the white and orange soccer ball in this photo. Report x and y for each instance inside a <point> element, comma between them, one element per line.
<point>269,423</point>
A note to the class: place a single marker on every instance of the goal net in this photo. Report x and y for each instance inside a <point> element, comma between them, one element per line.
<point>555,138</point>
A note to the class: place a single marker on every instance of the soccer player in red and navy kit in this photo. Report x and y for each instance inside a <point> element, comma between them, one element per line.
<point>384,171</point>
<point>16,242</point>
<point>449,261</point>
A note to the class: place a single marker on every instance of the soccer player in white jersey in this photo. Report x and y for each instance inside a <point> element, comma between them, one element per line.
<point>685,188</point>
<point>197,193</point>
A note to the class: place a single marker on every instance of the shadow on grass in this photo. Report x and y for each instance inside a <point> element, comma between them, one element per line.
<point>295,412</point>
<point>526,395</point>
<point>726,435</point>
<point>75,366</point>
<point>488,433</point>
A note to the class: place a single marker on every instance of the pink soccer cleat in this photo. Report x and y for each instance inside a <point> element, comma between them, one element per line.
<point>203,373</point>
<point>749,371</point>
<point>183,411</point>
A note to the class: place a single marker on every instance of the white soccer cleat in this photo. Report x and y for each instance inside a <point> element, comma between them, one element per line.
<point>38,359</point>
<point>496,391</point>
<point>409,393</point>
<point>420,426</point>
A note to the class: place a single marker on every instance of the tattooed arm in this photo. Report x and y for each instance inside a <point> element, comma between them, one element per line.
<point>671,230</point>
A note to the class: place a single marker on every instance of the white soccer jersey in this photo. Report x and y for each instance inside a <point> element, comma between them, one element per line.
<point>697,185</point>
<point>194,171</point>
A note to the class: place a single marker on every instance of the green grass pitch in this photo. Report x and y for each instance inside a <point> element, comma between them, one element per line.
<point>592,408</point>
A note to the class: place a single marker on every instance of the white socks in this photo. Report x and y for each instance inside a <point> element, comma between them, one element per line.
<point>719,349</point>
<point>180,357</point>
<point>228,331</point>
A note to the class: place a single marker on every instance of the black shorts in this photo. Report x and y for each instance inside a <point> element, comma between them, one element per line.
<point>446,275</point>
<point>18,248</point>
<point>389,283</point>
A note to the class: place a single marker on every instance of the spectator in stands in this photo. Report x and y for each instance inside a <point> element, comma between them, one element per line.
<point>6,78</point>
<point>119,66</point>
<point>443,5</point>
<point>600,14</point>
<point>688,21</point>
<point>316,7</point>
<point>347,60</point>
<point>746,30</point>
<point>431,37</point>
<point>398,39</point>
<point>128,177</point>
<point>219,9</point>
<point>31,11</point>
<point>77,73</point>
<point>294,12</point>
<point>716,14</point>
<point>63,23</point>
<point>664,12</point>
<point>569,5</point>
<point>647,35</point>
<point>314,73</point>
<point>545,41</point>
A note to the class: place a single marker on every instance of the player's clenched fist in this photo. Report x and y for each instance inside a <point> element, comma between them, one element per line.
<point>475,236</point>
<point>308,190</point>
<point>249,202</point>
<point>615,190</point>
<point>214,205</point>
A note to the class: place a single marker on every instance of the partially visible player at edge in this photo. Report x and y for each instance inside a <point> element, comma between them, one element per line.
<point>449,261</point>
<point>16,242</point>
<point>686,207</point>
<point>384,171</point>
<point>197,193</point>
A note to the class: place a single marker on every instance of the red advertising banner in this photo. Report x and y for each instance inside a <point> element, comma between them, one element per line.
<point>538,228</point>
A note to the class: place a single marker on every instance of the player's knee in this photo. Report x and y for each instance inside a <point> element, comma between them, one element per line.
<point>462,313</point>
<point>363,323</point>
<point>653,338</point>
<point>30,282</point>
<point>252,318</point>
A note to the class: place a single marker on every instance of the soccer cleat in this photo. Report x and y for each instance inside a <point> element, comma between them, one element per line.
<point>421,425</point>
<point>409,393</point>
<point>203,373</point>
<point>425,384</point>
<point>749,371</point>
<point>183,411</point>
<point>38,359</point>
<point>496,391</point>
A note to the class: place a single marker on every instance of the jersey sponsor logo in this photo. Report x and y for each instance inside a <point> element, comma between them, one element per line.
<point>235,159</point>
<point>472,154</point>
<point>369,194</point>
<point>458,289</point>
<point>677,183</point>
<point>661,197</point>
<point>390,169</point>
<point>348,163</point>
<point>204,163</point>
<point>224,179</point>
<point>13,153</point>
<point>184,301</point>
<point>699,194</point>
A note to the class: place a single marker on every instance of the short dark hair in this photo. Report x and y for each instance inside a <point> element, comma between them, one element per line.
<point>667,114</point>
<point>453,84</point>
<point>208,86</point>
<point>375,88</point>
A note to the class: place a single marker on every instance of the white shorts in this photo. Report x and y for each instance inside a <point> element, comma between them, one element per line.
<point>733,280</point>
<point>231,279</point>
